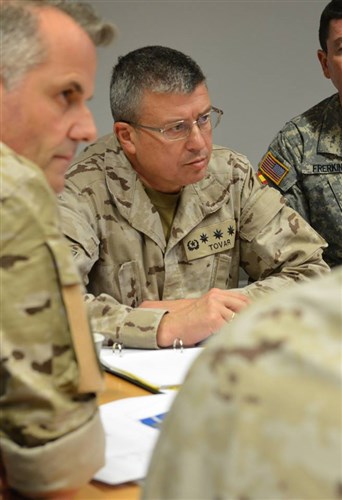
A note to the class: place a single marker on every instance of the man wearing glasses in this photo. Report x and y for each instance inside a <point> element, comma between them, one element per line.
<point>160,220</point>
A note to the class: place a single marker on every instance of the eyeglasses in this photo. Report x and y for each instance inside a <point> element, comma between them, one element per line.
<point>181,130</point>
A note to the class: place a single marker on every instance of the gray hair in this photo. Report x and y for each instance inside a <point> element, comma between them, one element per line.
<point>155,69</point>
<point>22,47</point>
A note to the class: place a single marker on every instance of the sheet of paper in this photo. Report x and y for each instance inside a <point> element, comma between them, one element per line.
<point>157,368</point>
<point>132,428</point>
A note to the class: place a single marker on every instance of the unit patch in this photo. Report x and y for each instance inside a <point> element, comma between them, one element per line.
<point>273,168</point>
<point>211,239</point>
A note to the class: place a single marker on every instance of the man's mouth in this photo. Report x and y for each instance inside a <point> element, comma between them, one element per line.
<point>198,162</point>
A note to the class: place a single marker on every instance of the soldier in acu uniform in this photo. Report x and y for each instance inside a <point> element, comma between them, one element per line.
<point>304,161</point>
<point>52,441</point>
<point>160,221</point>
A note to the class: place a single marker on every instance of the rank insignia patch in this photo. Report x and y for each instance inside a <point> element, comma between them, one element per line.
<point>211,239</point>
<point>273,169</point>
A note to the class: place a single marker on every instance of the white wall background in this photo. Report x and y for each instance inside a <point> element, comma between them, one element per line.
<point>259,57</point>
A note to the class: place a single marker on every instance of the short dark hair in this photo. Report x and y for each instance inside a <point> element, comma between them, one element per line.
<point>155,69</point>
<point>332,11</point>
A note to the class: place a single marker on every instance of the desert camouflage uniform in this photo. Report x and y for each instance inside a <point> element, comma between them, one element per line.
<point>51,435</point>
<point>259,415</point>
<point>225,220</point>
<point>310,146</point>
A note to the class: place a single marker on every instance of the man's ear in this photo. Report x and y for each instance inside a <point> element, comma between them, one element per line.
<point>323,59</point>
<point>126,135</point>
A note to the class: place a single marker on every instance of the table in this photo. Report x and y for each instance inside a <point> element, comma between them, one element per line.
<point>116,388</point>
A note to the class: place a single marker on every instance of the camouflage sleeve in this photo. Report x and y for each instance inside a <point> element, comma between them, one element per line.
<point>263,401</point>
<point>285,156</point>
<point>277,245</point>
<point>43,417</point>
<point>135,327</point>
<point>132,327</point>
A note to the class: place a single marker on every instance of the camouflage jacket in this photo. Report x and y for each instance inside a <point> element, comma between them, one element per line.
<point>304,162</point>
<point>44,419</point>
<point>226,220</point>
<point>259,414</point>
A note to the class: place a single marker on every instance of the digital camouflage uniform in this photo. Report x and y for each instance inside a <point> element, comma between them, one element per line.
<point>51,434</point>
<point>259,416</point>
<point>225,220</point>
<point>304,162</point>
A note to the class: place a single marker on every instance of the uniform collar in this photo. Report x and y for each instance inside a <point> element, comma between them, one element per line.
<point>330,138</point>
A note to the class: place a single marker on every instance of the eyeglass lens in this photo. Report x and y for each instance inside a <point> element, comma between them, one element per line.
<point>181,130</point>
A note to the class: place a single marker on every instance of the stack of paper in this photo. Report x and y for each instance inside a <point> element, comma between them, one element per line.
<point>131,434</point>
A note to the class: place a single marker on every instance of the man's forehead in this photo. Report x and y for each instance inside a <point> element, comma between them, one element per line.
<point>150,98</point>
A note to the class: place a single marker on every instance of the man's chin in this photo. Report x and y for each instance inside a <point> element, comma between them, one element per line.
<point>57,186</point>
<point>56,181</point>
<point>199,173</point>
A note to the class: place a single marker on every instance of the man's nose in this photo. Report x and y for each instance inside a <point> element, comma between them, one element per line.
<point>196,139</point>
<point>84,130</point>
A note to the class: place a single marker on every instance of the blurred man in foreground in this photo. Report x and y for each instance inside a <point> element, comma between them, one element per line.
<point>259,414</point>
<point>49,370</point>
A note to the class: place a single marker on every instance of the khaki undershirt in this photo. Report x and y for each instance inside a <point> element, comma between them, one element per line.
<point>166,205</point>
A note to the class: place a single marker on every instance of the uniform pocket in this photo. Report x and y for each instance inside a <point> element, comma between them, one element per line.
<point>129,282</point>
<point>335,183</point>
<point>220,276</point>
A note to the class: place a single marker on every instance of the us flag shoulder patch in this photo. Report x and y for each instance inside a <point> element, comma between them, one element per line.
<point>273,168</point>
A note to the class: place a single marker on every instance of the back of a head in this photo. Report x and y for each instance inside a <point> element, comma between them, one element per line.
<point>154,69</point>
<point>332,11</point>
<point>21,45</point>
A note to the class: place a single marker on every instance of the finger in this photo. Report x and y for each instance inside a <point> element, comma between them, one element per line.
<point>235,304</point>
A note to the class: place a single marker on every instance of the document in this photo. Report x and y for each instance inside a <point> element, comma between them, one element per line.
<point>157,370</point>
<point>131,427</point>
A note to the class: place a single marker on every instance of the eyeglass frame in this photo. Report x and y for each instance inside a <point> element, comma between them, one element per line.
<point>163,130</point>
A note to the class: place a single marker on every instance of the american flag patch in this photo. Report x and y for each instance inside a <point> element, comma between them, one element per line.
<point>273,169</point>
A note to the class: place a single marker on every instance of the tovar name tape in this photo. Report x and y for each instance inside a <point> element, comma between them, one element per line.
<point>211,239</point>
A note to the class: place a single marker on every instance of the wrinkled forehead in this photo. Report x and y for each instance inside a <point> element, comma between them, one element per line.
<point>174,104</point>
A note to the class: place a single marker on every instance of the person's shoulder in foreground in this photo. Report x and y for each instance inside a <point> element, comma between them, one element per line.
<point>304,160</point>
<point>44,416</point>
<point>48,397</point>
<point>259,414</point>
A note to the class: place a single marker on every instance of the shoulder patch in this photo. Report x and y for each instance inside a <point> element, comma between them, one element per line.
<point>273,168</point>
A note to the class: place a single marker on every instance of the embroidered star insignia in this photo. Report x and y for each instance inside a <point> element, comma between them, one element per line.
<point>231,230</point>
<point>218,234</point>
<point>204,238</point>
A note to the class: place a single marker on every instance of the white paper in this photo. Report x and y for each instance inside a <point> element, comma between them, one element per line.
<point>129,442</point>
<point>158,368</point>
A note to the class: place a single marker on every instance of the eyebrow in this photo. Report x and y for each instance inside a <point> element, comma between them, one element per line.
<point>185,119</point>
<point>77,87</point>
<point>337,42</point>
<point>207,110</point>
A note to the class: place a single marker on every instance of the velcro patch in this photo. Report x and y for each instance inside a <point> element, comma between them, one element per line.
<point>273,168</point>
<point>211,239</point>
